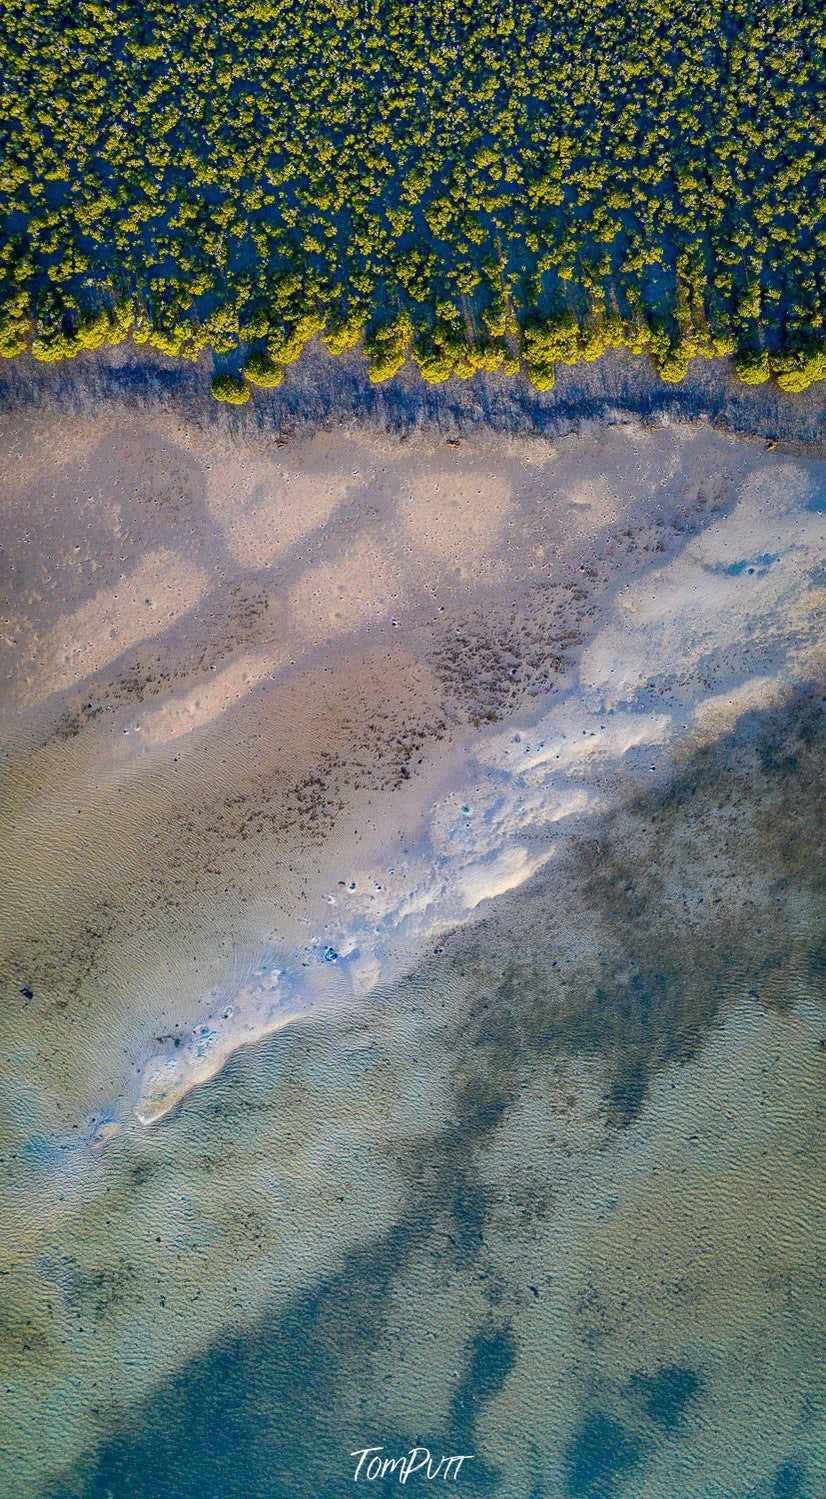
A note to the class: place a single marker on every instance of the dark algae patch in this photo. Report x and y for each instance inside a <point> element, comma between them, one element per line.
<point>255,1417</point>
<point>475,187</point>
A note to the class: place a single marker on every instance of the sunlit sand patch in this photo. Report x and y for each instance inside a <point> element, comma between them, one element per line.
<point>703,603</point>
<point>719,713</point>
<point>358,588</point>
<point>156,592</point>
<point>507,870</point>
<point>586,495</point>
<point>581,740</point>
<point>202,704</point>
<point>457,517</point>
<point>269,504</point>
<point>167,1080</point>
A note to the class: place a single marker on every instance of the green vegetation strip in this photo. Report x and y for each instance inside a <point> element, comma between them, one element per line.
<point>473,185</point>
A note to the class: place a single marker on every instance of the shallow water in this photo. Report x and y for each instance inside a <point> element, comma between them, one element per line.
<point>547,1191</point>
<point>573,1229</point>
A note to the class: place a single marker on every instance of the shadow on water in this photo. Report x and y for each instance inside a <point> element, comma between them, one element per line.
<point>667,1394</point>
<point>603,1452</point>
<point>599,1455</point>
<point>274,1412</point>
<point>255,1416</point>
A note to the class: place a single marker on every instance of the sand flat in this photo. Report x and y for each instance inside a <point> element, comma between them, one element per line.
<point>242,676</point>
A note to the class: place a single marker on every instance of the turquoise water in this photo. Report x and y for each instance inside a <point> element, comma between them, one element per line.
<point>554,1201</point>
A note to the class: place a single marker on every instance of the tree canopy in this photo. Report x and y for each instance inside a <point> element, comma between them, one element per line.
<point>475,186</point>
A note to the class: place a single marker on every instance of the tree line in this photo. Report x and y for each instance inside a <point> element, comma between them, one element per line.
<point>520,183</point>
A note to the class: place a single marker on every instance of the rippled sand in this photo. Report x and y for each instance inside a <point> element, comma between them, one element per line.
<point>491,764</point>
